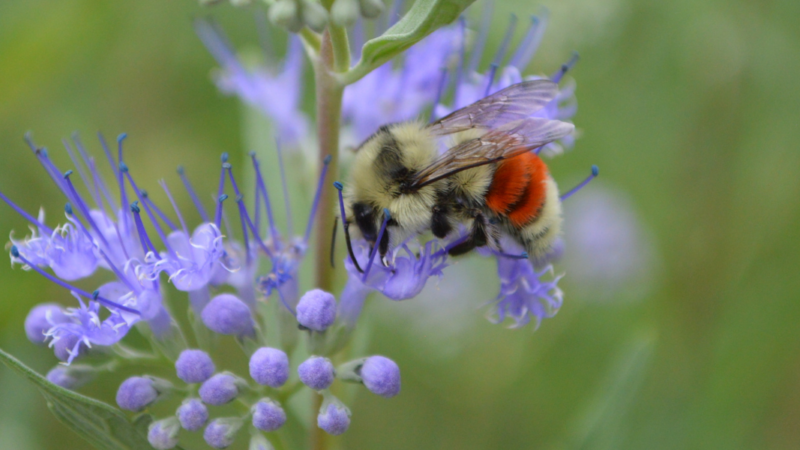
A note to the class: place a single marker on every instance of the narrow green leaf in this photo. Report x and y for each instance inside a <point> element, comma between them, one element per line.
<point>102,425</point>
<point>424,17</point>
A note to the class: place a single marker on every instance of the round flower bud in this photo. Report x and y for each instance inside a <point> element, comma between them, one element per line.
<point>371,8</point>
<point>70,377</point>
<point>219,389</point>
<point>268,415</point>
<point>192,414</point>
<point>163,434</point>
<point>226,314</point>
<point>270,367</point>
<point>37,323</point>
<point>345,12</point>
<point>284,13</point>
<point>334,419</point>
<point>194,366</point>
<point>381,376</point>
<point>136,393</point>
<point>316,310</point>
<point>316,372</point>
<point>220,433</point>
<point>314,15</point>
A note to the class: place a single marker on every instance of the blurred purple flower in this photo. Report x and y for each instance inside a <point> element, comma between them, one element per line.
<point>276,95</point>
<point>524,294</point>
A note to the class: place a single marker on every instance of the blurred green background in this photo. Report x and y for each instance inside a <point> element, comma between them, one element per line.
<point>689,108</point>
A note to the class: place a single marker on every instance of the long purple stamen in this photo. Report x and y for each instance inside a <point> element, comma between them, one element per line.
<point>531,42</point>
<point>263,188</point>
<point>82,173</point>
<point>99,184</point>
<point>501,52</point>
<point>439,92</point>
<point>15,253</point>
<point>285,190</point>
<point>123,168</point>
<point>193,195</point>
<point>523,255</point>
<point>163,185</point>
<point>84,210</point>
<point>462,23</point>
<point>565,68</point>
<point>218,217</point>
<point>218,214</point>
<point>483,34</point>
<point>490,77</point>
<point>147,245</point>
<point>317,196</point>
<point>386,217</point>
<point>24,214</point>
<point>242,210</point>
<point>169,223</point>
<point>595,172</point>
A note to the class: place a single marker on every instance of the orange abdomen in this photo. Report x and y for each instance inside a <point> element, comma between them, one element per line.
<point>518,189</point>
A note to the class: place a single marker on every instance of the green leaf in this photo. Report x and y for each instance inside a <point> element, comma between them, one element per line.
<point>104,426</point>
<point>424,17</point>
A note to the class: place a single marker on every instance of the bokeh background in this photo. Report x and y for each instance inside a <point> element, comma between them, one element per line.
<point>684,332</point>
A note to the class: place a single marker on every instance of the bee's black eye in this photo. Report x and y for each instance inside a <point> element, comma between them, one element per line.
<point>365,220</point>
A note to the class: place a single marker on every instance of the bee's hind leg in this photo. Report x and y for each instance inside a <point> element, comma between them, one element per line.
<point>477,237</point>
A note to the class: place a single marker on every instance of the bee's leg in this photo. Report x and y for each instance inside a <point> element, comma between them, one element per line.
<point>440,223</point>
<point>383,246</point>
<point>477,237</point>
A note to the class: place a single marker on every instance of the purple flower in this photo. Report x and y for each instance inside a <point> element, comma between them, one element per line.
<point>163,434</point>
<point>399,93</point>
<point>403,278</point>
<point>219,389</point>
<point>524,294</point>
<point>268,415</point>
<point>228,315</point>
<point>220,433</point>
<point>192,414</point>
<point>136,393</point>
<point>194,366</point>
<point>471,85</point>
<point>269,367</point>
<point>195,259</point>
<point>316,310</point>
<point>41,318</point>
<point>381,376</point>
<point>334,419</point>
<point>316,372</point>
<point>67,250</point>
<point>276,95</point>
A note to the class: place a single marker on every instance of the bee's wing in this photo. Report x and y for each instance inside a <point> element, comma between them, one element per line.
<point>513,103</point>
<point>507,141</point>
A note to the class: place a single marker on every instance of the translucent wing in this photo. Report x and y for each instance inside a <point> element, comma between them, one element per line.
<point>507,141</point>
<point>510,104</point>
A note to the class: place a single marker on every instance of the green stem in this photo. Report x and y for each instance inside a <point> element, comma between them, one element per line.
<point>334,54</point>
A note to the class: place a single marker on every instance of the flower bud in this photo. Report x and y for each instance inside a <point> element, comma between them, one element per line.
<point>345,12</point>
<point>334,418</point>
<point>314,15</point>
<point>371,8</point>
<point>226,314</point>
<point>316,372</point>
<point>220,389</point>
<point>220,433</point>
<point>286,14</point>
<point>194,366</point>
<point>163,434</point>
<point>136,393</point>
<point>268,415</point>
<point>41,318</point>
<point>259,442</point>
<point>192,414</point>
<point>270,367</point>
<point>316,310</point>
<point>71,377</point>
<point>381,375</point>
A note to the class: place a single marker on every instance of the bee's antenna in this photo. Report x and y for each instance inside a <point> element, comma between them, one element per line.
<point>595,172</point>
<point>333,241</point>
<point>386,217</point>
<point>338,185</point>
